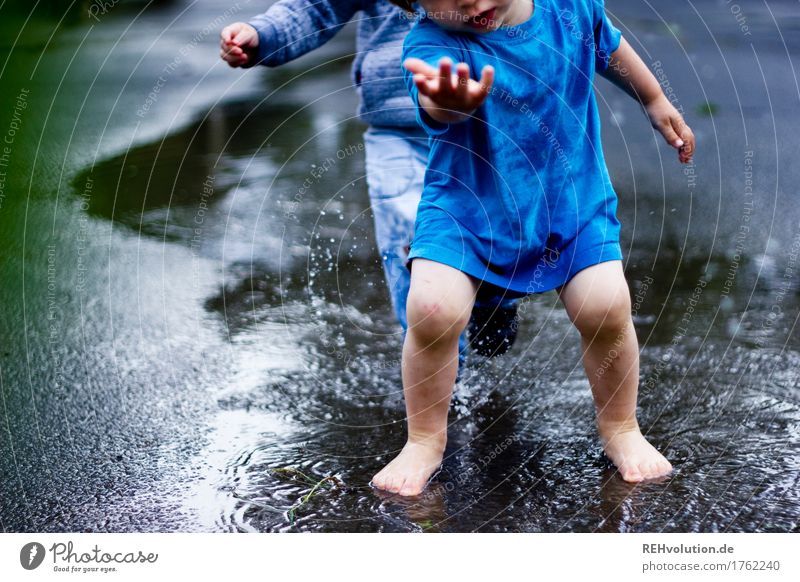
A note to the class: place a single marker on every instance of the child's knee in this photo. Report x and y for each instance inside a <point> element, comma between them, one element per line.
<point>435,319</point>
<point>604,319</point>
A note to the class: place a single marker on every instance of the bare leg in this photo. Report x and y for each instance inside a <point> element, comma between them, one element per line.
<point>597,300</point>
<point>440,301</point>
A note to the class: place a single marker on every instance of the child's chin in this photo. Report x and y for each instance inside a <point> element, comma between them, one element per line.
<point>450,25</point>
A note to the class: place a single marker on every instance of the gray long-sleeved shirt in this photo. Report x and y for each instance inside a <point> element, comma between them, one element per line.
<point>291,28</point>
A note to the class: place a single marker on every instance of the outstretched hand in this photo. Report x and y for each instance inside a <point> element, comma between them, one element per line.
<point>238,44</point>
<point>451,92</point>
<point>669,122</point>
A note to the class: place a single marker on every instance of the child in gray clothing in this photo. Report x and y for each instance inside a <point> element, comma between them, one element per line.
<point>396,146</point>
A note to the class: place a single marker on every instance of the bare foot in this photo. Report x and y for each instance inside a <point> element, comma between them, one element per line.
<point>635,458</point>
<point>408,473</point>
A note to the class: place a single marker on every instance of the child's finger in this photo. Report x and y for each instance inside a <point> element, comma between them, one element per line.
<point>231,53</point>
<point>233,61</point>
<point>445,77</point>
<point>237,37</point>
<point>670,134</point>
<point>419,66</point>
<point>487,78</point>
<point>462,70</point>
<point>245,36</point>
<point>228,58</point>
<point>686,152</point>
<point>685,136</point>
<point>480,92</point>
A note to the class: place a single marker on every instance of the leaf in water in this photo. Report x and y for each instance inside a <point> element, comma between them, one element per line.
<point>329,480</point>
<point>707,109</point>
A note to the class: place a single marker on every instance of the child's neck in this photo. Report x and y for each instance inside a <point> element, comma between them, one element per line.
<point>518,12</point>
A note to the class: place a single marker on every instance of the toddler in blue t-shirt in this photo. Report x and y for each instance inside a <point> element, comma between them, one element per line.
<point>517,196</point>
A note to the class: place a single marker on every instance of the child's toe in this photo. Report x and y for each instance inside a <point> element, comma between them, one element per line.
<point>631,474</point>
<point>664,467</point>
<point>382,481</point>
<point>390,484</point>
<point>653,470</point>
<point>411,487</point>
<point>399,486</point>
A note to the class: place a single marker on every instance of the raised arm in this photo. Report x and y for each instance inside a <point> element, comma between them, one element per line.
<point>616,60</point>
<point>291,28</point>
<point>628,72</point>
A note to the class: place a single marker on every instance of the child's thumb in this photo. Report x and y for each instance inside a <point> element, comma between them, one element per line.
<point>671,135</point>
<point>242,36</point>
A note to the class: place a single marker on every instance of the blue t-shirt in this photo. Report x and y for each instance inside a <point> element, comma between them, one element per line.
<point>519,194</point>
